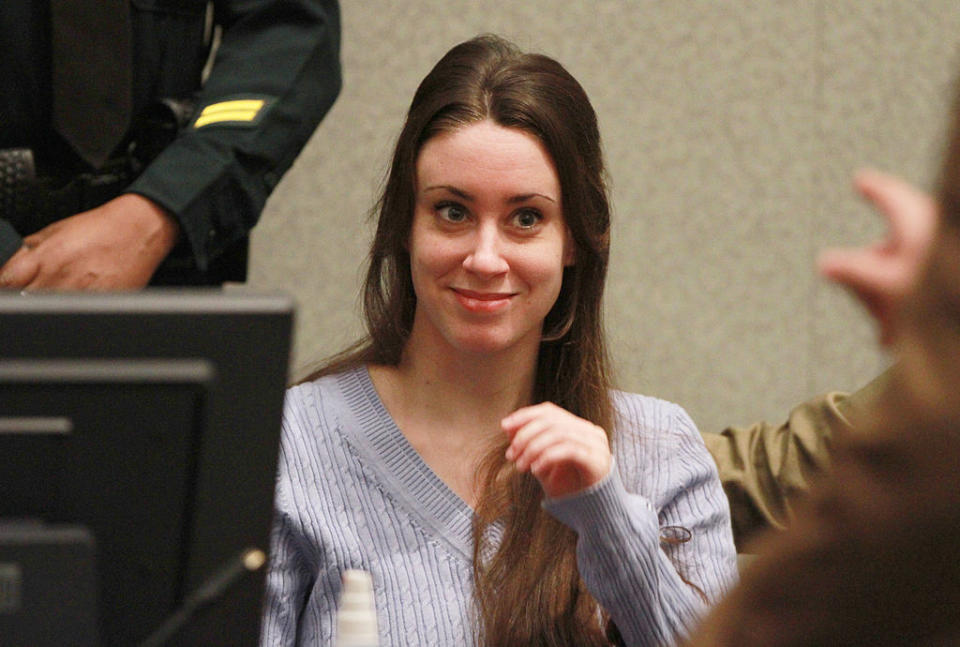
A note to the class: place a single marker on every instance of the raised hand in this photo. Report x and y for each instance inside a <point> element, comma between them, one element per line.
<point>882,273</point>
<point>567,454</point>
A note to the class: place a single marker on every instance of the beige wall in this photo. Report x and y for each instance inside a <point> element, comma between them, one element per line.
<point>731,129</point>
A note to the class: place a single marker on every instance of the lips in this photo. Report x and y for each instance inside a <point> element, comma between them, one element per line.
<point>482,302</point>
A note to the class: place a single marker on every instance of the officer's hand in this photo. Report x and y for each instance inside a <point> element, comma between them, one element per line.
<point>116,246</point>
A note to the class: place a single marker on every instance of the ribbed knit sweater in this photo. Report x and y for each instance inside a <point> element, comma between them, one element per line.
<point>353,493</point>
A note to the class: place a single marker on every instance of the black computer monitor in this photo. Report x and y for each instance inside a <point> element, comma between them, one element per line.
<point>148,423</point>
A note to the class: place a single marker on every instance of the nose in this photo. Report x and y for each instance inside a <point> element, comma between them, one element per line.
<point>486,256</point>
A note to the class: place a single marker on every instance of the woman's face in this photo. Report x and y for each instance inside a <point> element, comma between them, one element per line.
<point>488,242</point>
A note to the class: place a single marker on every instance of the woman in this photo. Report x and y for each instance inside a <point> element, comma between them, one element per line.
<point>470,452</point>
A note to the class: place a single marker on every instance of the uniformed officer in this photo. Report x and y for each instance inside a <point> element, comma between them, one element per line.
<point>118,166</point>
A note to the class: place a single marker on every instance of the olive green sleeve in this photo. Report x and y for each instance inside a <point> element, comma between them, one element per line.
<point>764,468</point>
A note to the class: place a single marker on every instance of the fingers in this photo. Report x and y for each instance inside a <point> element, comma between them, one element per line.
<point>564,452</point>
<point>881,274</point>
<point>903,205</point>
<point>556,453</point>
<point>522,436</point>
<point>22,268</point>
<point>532,428</point>
<point>523,415</point>
<point>98,249</point>
<point>38,237</point>
<point>865,270</point>
<point>910,214</point>
<point>533,449</point>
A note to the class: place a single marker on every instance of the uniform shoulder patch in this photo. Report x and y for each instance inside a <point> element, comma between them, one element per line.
<point>236,111</point>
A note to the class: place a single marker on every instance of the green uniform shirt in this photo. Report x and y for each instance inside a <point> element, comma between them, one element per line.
<point>275,74</point>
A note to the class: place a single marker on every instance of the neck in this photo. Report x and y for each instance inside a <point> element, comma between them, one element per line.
<point>459,392</point>
<point>449,404</point>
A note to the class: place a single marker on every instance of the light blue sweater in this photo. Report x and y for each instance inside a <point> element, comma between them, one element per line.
<point>353,493</point>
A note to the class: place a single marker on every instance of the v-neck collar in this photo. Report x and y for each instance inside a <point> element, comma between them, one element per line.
<point>371,429</point>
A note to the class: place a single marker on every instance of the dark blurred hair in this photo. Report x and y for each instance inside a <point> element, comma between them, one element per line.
<point>529,592</point>
<point>949,181</point>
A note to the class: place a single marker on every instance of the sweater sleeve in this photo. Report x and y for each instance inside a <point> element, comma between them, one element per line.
<point>654,571</point>
<point>276,73</point>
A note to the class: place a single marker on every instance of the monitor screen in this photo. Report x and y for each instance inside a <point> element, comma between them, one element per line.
<point>138,438</point>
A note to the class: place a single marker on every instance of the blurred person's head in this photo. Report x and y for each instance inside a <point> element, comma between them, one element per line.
<point>930,321</point>
<point>871,557</point>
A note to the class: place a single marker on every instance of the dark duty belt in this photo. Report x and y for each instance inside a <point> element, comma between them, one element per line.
<point>16,170</point>
<point>30,203</point>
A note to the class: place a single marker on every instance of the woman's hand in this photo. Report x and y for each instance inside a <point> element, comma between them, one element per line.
<point>565,453</point>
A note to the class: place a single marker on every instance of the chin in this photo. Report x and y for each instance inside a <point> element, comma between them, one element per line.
<point>481,345</point>
<point>485,342</point>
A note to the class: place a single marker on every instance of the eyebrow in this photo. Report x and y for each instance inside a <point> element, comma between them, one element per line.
<point>460,193</point>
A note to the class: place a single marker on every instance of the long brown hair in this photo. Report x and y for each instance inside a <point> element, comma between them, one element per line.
<point>528,588</point>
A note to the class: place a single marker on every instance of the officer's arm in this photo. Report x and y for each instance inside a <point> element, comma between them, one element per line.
<point>275,75</point>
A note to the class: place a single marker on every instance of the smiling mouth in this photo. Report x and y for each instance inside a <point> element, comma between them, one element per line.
<point>482,301</point>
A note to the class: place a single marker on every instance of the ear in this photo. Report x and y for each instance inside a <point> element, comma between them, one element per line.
<point>883,273</point>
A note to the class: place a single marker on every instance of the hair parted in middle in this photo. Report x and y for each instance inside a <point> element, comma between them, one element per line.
<point>488,78</point>
<point>528,588</point>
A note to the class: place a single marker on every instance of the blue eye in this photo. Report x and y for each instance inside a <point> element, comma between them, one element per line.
<point>451,212</point>
<point>527,218</point>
